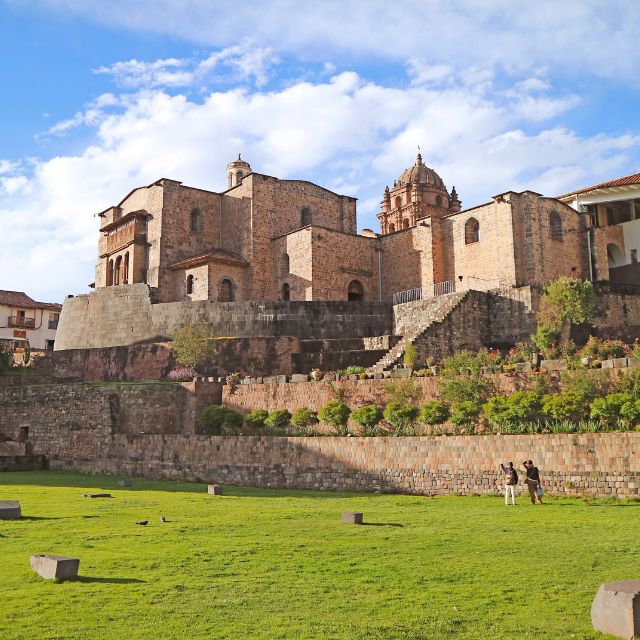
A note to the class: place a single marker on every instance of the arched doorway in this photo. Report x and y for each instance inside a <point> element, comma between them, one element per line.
<point>117,270</point>
<point>355,292</point>
<point>286,291</point>
<point>615,256</point>
<point>226,291</point>
<point>189,285</point>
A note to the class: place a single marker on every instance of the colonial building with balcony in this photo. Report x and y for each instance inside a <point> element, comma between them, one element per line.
<point>26,323</point>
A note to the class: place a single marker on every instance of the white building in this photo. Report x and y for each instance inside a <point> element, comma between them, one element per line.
<point>25,323</point>
<point>615,211</point>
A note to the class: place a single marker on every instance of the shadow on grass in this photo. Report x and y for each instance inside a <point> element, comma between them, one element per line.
<point>90,579</point>
<point>43,518</point>
<point>382,524</point>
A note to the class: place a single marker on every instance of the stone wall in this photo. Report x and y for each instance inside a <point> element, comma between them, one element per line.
<point>124,315</point>
<point>586,464</point>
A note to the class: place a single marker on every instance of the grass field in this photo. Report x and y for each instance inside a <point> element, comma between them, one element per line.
<point>279,564</point>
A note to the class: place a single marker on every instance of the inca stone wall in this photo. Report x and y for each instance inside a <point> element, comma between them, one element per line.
<point>124,315</point>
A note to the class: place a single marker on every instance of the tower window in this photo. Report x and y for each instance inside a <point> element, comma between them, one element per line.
<point>189,285</point>
<point>398,202</point>
<point>471,231</point>
<point>392,228</point>
<point>286,291</point>
<point>285,263</point>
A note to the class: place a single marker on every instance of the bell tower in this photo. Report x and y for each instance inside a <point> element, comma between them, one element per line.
<point>236,170</point>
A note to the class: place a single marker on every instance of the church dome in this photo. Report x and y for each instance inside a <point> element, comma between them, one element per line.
<point>420,174</point>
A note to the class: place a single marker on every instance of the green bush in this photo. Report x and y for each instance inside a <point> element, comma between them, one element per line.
<point>278,419</point>
<point>545,337</point>
<point>462,363</point>
<point>368,417</point>
<point>353,370</point>
<point>404,391</point>
<point>409,358</point>
<point>304,418</point>
<point>603,349</point>
<point>607,410</point>
<point>216,419</point>
<point>521,352</point>
<point>256,418</point>
<point>629,382</point>
<point>585,386</point>
<point>434,412</point>
<point>464,413</point>
<point>193,345</point>
<point>630,412</point>
<point>564,406</point>
<point>474,388</point>
<point>336,414</point>
<point>400,416</point>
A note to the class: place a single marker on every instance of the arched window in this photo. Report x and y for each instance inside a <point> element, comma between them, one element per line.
<point>306,217</point>
<point>125,269</point>
<point>226,291</point>
<point>117,270</point>
<point>392,228</point>
<point>615,256</point>
<point>398,202</point>
<point>239,177</point>
<point>438,201</point>
<point>471,231</point>
<point>196,221</point>
<point>355,292</point>
<point>405,223</point>
<point>189,285</point>
<point>285,263</point>
<point>109,273</point>
<point>286,291</point>
<point>555,226</point>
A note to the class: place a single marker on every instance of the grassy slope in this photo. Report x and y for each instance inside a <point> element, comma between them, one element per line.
<point>268,564</point>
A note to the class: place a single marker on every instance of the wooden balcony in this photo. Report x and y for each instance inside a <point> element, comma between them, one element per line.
<point>21,321</point>
<point>130,232</point>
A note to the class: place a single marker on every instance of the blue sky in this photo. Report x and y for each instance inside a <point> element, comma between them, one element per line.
<point>98,98</point>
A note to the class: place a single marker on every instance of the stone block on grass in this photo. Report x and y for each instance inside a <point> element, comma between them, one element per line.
<point>616,609</point>
<point>50,567</point>
<point>10,510</point>
<point>215,489</point>
<point>299,377</point>
<point>352,517</point>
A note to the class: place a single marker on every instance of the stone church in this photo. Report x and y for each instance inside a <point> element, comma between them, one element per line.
<point>268,239</point>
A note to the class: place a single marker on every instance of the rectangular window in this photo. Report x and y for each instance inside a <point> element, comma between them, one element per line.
<point>53,320</point>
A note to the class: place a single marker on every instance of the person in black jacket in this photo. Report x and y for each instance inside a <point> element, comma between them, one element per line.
<point>533,481</point>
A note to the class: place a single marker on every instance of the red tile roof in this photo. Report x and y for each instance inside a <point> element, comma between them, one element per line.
<point>21,299</point>
<point>634,178</point>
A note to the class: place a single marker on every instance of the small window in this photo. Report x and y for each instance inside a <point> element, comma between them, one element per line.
<point>226,291</point>
<point>555,226</point>
<point>398,202</point>
<point>54,318</point>
<point>306,217</point>
<point>355,292</point>
<point>286,291</point>
<point>471,231</point>
<point>285,263</point>
<point>405,223</point>
<point>196,221</point>
<point>49,344</point>
<point>392,228</point>
<point>189,285</point>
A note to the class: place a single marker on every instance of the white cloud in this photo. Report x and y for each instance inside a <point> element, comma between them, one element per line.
<point>345,132</point>
<point>236,64</point>
<point>578,36</point>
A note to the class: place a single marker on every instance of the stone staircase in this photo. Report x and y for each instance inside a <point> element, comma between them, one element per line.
<point>438,309</point>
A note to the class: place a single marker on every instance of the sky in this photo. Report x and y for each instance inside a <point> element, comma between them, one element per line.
<point>97,98</point>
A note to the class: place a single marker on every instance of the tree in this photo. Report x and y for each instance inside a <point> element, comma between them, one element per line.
<point>336,414</point>
<point>368,416</point>
<point>401,416</point>
<point>409,358</point>
<point>566,301</point>
<point>193,345</point>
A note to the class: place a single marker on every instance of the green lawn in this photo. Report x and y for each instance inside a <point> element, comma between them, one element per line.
<point>279,564</point>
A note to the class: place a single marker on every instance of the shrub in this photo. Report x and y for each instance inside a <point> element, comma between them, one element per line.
<point>434,412</point>
<point>630,412</point>
<point>629,382</point>
<point>353,370</point>
<point>545,337</point>
<point>182,373</point>
<point>490,357</point>
<point>304,418</point>
<point>367,417</point>
<point>603,349</point>
<point>409,358</point>
<point>215,419</point>
<point>584,386</point>
<point>464,413</point>
<point>607,410</point>
<point>521,406</point>
<point>564,406</point>
<point>567,300</point>
<point>403,391</point>
<point>278,419</point>
<point>336,414</point>
<point>256,418</point>
<point>400,416</point>
<point>521,352</point>
<point>474,388</point>
<point>193,345</point>
<point>462,363</point>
